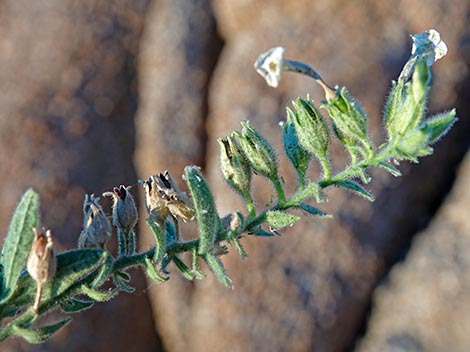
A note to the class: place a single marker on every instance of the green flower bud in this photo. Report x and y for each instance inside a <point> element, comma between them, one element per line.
<point>96,226</point>
<point>407,101</point>
<point>206,213</point>
<point>258,151</point>
<point>348,117</point>
<point>311,128</point>
<point>234,166</point>
<point>296,153</point>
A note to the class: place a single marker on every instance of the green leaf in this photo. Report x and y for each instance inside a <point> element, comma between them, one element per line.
<point>437,126</point>
<point>160,238</point>
<point>241,251</point>
<point>314,211</point>
<point>41,334</point>
<point>218,269</point>
<point>74,305</point>
<point>97,295</point>
<point>312,189</point>
<point>122,285</point>
<point>356,188</point>
<point>280,219</point>
<point>390,168</point>
<point>261,233</point>
<point>152,272</point>
<point>185,270</point>
<point>206,212</point>
<point>124,275</point>
<point>19,240</point>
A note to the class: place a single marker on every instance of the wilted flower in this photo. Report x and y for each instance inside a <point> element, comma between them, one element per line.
<point>96,226</point>
<point>41,263</point>
<point>124,210</point>
<point>162,198</point>
<point>269,65</point>
<point>427,45</point>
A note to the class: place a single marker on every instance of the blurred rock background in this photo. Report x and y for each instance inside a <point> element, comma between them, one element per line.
<point>100,93</point>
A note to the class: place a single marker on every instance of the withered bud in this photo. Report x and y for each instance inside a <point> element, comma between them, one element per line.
<point>96,226</point>
<point>124,210</point>
<point>41,263</point>
<point>162,198</point>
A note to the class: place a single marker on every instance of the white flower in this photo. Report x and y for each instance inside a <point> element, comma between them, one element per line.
<point>428,44</point>
<point>269,65</point>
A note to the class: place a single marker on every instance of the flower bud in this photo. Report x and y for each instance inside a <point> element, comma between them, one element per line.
<point>41,263</point>
<point>234,166</point>
<point>311,128</point>
<point>348,117</point>
<point>296,153</point>
<point>258,151</point>
<point>124,210</point>
<point>96,226</point>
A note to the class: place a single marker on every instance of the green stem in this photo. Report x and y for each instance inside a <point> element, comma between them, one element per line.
<point>279,190</point>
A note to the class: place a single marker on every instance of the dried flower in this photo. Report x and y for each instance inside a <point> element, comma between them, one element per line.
<point>96,226</point>
<point>124,210</point>
<point>41,261</point>
<point>162,198</point>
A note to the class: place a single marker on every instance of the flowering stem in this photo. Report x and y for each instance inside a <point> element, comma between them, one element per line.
<point>279,190</point>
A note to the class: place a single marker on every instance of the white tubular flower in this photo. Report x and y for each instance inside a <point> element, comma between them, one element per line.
<point>428,44</point>
<point>269,65</point>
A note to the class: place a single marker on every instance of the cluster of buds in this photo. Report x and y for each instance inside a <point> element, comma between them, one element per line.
<point>41,263</point>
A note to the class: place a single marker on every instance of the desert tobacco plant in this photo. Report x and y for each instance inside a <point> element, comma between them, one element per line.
<point>34,280</point>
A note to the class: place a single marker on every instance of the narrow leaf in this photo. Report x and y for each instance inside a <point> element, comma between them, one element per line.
<point>356,188</point>
<point>390,168</point>
<point>437,126</point>
<point>160,238</point>
<point>97,295</point>
<point>19,239</point>
<point>41,334</point>
<point>280,219</point>
<point>122,285</point>
<point>218,269</point>
<point>74,305</point>
<point>314,211</point>
<point>152,272</point>
<point>206,212</point>
<point>261,233</point>
<point>185,270</point>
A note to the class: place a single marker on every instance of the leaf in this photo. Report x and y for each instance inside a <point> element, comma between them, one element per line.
<point>356,188</point>
<point>160,238</point>
<point>19,240</point>
<point>185,270</point>
<point>390,168</point>
<point>124,275</point>
<point>74,305</point>
<point>122,285</point>
<point>312,189</point>
<point>206,212</point>
<point>97,295</point>
<point>218,269</point>
<point>261,233</point>
<point>437,126</point>
<point>41,334</point>
<point>152,272</point>
<point>314,211</point>
<point>280,219</point>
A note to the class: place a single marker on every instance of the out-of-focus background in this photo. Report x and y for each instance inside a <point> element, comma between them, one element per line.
<point>95,94</point>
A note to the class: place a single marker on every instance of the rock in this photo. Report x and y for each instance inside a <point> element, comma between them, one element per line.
<point>424,303</point>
